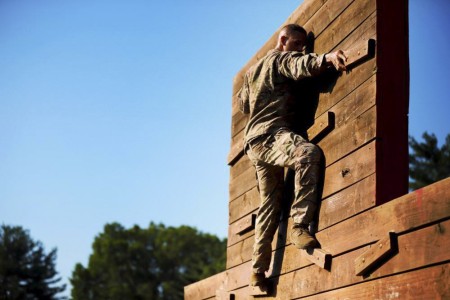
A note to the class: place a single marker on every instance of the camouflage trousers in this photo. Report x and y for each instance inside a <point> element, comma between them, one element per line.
<point>270,154</point>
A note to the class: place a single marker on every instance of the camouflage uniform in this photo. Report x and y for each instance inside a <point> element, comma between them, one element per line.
<point>271,145</point>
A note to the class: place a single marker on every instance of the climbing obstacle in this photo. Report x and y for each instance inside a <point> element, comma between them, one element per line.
<point>377,241</point>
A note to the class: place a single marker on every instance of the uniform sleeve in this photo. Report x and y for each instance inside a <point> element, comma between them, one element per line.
<point>296,65</point>
<point>243,97</point>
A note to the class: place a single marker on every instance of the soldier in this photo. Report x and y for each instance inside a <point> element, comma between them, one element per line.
<point>271,144</point>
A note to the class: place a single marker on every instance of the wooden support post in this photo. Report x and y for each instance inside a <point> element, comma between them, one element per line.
<point>246,224</point>
<point>319,257</point>
<point>379,251</point>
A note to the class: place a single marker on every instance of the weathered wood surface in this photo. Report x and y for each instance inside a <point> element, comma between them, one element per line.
<point>421,248</point>
<point>206,288</point>
<point>347,203</point>
<point>360,229</point>
<point>426,283</point>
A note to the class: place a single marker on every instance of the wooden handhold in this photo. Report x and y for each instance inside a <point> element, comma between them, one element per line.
<point>360,52</point>
<point>375,254</point>
<point>322,125</point>
<point>245,224</point>
<point>319,257</point>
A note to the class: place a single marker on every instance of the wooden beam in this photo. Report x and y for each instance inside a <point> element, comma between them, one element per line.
<point>427,283</point>
<point>360,52</point>
<point>245,224</point>
<point>377,252</point>
<point>318,257</point>
<point>264,290</point>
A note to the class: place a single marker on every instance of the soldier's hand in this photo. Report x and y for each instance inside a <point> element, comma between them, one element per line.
<point>337,59</point>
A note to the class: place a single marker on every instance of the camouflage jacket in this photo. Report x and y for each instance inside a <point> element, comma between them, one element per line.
<point>266,93</point>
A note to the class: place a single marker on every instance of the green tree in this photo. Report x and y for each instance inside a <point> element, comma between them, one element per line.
<point>153,263</point>
<point>26,272</point>
<point>427,162</point>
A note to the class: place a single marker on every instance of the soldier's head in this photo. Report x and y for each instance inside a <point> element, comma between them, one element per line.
<point>292,37</point>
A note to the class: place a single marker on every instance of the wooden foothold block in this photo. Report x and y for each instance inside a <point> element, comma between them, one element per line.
<point>260,290</point>
<point>375,254</point>
<point>360,52</point>
<point>321,127</point>
<point>319,257</point>
<point>246,224</point>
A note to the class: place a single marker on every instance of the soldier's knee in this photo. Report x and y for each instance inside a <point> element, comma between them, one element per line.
<point>309,153</point>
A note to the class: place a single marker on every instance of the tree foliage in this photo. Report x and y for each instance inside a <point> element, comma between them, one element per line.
<point>26,272</point>
<point>152,263</point>
<point>427,162</point>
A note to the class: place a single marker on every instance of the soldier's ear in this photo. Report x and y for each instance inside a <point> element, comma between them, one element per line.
<point>283,40</point>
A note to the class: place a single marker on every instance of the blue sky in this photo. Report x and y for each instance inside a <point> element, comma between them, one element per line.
<point>119,111</point>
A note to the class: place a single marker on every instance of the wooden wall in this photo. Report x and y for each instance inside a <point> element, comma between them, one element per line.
<point>360,122</point>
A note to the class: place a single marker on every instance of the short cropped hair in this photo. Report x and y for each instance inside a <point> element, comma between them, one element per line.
<point>290,28</point>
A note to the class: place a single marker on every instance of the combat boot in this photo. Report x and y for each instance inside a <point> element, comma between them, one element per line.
<point>302,238</point>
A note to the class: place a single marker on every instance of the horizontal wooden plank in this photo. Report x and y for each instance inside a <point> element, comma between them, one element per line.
<point>353,16</point>
<point>206,288</point>
<point>347,203</point>
<point>242,183</point>
<point>405,213</point>
<point>240,166</point>
<point>427,283</point>
<point>345,139</point>
<point>322,19</point>
<point>355,103</point>
<point>350,169</point>
<point>359,229</point>
<point>245,204</point>
<point>311,279</point>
